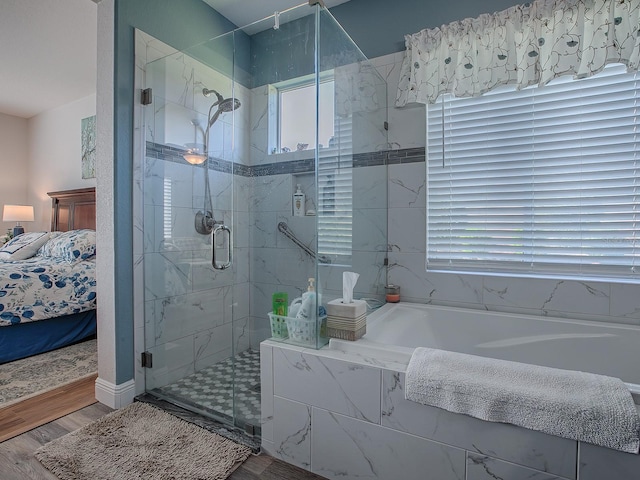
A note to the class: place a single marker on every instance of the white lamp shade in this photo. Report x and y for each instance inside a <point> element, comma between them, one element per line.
<point>17,213</point>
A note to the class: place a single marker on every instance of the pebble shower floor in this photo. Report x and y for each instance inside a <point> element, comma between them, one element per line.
<point>211,389</point>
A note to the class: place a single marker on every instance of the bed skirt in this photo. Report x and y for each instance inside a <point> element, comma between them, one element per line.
<point>27,339</point>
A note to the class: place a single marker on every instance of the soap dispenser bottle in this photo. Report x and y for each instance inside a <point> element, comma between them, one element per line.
<point>298,202</point>
<point>308,301</point>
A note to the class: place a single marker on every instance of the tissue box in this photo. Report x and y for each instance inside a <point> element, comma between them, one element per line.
<point>351,335</point>
<point>336,308</point>
<point>346,329</point>
<point>342,323</point>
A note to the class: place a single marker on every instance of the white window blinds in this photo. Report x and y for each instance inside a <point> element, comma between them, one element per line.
<point>335,195</point>
<point>167,217</point>
<point>543,180</point>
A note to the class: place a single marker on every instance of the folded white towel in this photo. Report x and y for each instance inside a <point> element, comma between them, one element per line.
<point>577,405</point>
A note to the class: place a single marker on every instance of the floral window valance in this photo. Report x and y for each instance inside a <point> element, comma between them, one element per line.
<point>523,45</point>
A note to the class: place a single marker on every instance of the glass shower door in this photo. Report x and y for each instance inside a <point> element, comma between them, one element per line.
<point>193,259</point>
<point>220,155</point>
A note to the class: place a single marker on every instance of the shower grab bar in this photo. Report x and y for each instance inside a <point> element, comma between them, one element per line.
<point>217,229</point>
<point>284,229</point>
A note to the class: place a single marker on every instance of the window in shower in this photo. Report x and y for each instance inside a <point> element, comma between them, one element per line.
<point>542,181</point>
<point>296,126</point>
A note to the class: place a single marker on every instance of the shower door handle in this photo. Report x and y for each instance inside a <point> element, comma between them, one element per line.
<point>217,229</point>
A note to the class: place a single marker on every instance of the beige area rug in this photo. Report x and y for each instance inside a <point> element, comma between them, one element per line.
<point>32,376</point>
<point>142,442</point>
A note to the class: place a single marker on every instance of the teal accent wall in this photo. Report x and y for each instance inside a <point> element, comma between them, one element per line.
<point>286,53</point>
<point>289,52</point>
<point>378,26</point>
<point>181,25</point>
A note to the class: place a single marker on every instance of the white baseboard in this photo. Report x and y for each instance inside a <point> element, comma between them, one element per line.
<point>115,396</point>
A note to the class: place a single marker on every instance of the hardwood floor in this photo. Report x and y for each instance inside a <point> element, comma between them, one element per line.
<point>18,463</point>
<point>16,455</point>
<point>266,467</point>
<point>35,411</point>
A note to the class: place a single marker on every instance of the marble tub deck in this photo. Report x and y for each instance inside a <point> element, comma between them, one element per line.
<point>344,416</point>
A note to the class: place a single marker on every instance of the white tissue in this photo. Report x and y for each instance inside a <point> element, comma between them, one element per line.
<point>349,280</point>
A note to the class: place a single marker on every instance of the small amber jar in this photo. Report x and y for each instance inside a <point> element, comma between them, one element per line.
<point>392,293</point>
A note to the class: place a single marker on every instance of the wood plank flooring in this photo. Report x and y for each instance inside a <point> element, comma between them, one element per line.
<point>264,467</point>
<point>18,463</point>
<point>16,455</point>
<point>46,407</point>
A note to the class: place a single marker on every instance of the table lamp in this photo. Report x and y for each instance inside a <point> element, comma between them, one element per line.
<point>17,213</point>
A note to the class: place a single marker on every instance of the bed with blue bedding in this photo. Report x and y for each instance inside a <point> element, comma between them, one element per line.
<point>49,299</point>
<point>47,291</point>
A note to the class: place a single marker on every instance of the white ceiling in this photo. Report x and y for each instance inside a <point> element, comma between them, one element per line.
<point>48,52</point>
<point>48,48</point>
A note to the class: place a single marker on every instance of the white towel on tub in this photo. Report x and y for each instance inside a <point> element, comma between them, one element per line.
<point>577,405</point>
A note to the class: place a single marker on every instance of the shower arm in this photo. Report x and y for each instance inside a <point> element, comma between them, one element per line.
<point>284,229</point>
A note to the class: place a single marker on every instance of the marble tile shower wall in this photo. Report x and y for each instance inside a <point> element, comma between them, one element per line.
<point>590,300</point>
<point>276,263</point>
<point>188,305</point>
<point>189,322</point>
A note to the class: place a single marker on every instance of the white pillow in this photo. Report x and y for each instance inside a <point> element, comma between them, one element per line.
<point>23,246</point>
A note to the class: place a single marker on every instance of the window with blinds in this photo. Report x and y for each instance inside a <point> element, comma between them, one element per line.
<point>335,195</point>
<point>542,180</point>
<point>166,209</point>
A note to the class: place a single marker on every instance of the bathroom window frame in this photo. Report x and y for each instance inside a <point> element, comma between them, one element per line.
<point>275,92</point>
<point>477,259</point>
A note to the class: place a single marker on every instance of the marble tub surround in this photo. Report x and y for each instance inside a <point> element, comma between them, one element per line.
<point>364,381</point>
<point>360,423</point>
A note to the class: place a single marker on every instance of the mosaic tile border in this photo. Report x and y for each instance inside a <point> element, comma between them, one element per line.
<point>371,159</point>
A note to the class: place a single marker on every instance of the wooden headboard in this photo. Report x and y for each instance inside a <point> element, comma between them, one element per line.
<point>73,209</point>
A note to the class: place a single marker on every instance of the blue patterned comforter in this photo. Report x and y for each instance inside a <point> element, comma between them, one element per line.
<point>44,287</point>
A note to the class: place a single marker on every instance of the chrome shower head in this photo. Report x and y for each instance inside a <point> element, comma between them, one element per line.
<point>228,105</point>
<point>207,92</point>
<point>224,106</point>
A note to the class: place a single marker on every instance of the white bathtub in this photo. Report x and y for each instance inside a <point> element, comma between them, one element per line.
<point>395,330</point>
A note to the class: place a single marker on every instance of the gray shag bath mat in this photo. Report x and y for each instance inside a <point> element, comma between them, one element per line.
<point>31,376</point>
<point>141,442</point>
